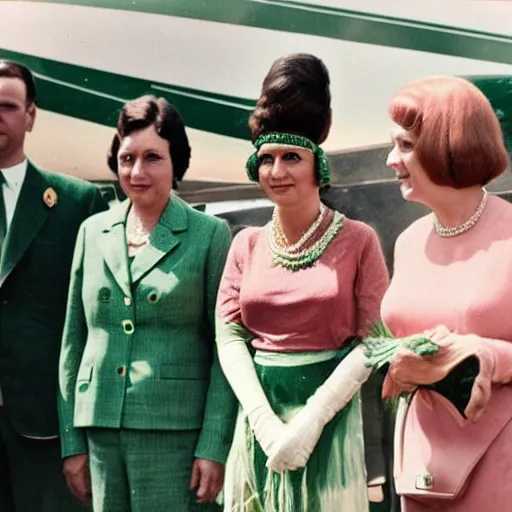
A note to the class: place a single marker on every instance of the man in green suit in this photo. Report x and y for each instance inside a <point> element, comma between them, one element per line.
<point>40,214</point>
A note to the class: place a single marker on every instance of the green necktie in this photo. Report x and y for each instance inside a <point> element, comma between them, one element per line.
<point>3,216</point>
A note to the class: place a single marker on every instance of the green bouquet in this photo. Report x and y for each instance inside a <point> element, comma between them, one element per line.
<point>381,347</point>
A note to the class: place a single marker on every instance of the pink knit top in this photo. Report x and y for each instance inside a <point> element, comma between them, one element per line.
<point>312,309</point>
<point>465,283</point>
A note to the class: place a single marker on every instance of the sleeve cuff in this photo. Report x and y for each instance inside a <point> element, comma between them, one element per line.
<point>214,443</point>
<point>73,442</point>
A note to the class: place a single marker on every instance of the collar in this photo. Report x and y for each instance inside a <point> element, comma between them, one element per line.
<point>15,175</point>
<point>174,216</point>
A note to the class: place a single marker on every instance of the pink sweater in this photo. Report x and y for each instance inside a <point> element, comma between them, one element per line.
<point>464,283</point>
<point>313,309</point>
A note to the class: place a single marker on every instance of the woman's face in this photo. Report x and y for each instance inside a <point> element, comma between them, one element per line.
<point>415,184</point>
<point>145,168</point>
<point>287,174</point>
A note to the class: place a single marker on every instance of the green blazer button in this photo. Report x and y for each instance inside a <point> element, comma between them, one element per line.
<point>128,326</point>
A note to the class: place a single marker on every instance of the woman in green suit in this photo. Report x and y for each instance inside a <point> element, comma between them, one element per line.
<point>143,401</point>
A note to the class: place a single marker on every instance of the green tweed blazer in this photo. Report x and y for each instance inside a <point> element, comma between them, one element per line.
<point>138,348</point>
<point>34,282</point>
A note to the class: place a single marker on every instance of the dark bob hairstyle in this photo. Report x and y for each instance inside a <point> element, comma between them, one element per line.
<point>295,98</point>
<point>148,111</point>
<point>459,139</point>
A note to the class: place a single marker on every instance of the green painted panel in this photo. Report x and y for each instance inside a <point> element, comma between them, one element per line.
<point>498,90</point>
<point>97,96</point>
<point>328,22</point>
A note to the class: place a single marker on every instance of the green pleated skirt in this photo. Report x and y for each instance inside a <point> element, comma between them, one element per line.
<point>334,479</point>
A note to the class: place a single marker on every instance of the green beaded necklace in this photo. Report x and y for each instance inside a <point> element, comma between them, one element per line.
<point>305,258</point>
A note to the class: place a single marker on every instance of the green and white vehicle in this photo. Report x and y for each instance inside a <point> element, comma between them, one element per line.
<point>209,58</point>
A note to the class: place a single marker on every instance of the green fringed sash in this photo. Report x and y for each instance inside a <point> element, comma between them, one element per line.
<point>334,479</point>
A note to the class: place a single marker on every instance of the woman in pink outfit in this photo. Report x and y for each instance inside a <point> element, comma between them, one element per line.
<point>297,290</point>
<point>453,268</point>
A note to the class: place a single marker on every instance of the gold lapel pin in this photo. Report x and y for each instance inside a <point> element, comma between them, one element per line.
<point>50,197</point>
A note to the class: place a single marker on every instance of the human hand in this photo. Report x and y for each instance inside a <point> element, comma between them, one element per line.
<point>461,346</point>
<point>78,476</point>
<point>297,442</point>
<point>207,477</point>
<point>267,428</point>
<point>408,370</point>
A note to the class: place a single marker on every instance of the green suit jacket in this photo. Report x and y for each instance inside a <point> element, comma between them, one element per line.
<point>138,348</point>
<point>34,281</point>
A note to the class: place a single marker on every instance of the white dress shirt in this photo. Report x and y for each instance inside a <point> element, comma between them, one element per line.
<point>11,189</point>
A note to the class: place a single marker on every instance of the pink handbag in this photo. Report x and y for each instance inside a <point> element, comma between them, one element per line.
<point>436,448</point>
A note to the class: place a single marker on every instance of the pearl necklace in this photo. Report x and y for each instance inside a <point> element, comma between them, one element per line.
<point>279,239</point>
<point>136,234</point>
<point>447,232</point>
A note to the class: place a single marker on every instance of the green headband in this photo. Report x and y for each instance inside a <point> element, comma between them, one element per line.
<point>322,172</point>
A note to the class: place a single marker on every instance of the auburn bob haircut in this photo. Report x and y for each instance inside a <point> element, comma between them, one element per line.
<point>459,141</point>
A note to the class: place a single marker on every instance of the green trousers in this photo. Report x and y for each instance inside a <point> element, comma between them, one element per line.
<point>143,471</point>
<point>31,478</point>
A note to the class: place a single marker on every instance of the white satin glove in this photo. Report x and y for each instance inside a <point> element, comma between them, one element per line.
<point>238,366</point>
<point>266,426</point>
<point>296,444</point>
